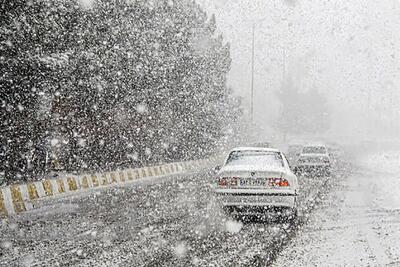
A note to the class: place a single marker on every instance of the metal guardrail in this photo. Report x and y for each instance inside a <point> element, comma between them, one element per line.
<point>19,198</point>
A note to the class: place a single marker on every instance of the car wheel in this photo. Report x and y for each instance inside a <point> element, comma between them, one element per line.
<point>227,210</point>
<point>294,212</point>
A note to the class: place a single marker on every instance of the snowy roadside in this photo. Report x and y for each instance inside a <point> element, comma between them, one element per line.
<point>57,204</point>
<point>357,224</point>
<point>20,198</point>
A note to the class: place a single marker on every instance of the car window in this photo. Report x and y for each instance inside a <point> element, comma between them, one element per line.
<point>313,159</point>
<point>314,150</point>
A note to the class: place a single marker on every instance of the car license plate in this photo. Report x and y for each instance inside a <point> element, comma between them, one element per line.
<point>252,182</point>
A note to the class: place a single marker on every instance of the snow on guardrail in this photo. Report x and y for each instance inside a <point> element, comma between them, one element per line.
<point>18,198</point>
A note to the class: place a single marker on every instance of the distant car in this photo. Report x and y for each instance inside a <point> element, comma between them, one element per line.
<point>313,164</point>
<point>262,144</point>
<point>254,181</point>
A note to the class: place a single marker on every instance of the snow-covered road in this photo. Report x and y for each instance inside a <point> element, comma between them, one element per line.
<point>357,224</point>
<point>169,222</point>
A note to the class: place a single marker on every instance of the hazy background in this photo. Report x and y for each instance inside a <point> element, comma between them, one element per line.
<point>348,50</point>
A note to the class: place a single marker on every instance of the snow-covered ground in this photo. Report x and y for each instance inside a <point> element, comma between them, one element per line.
<point>358,223</point>
<point>173,223</point>
<point>165,222</point>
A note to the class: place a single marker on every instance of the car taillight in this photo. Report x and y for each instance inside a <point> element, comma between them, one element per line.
<point>278,182</point>
<point>234,181</point>
<point>223,181</point>
<point>227,181</point>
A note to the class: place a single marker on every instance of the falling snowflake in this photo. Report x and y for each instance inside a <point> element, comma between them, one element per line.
<point>81,142</point>
<point>180,250</point>
<point>54,142</point>
<point>233,227</point>
<point>6,244</point>
<point>147,151</point>
<point>141,108</point>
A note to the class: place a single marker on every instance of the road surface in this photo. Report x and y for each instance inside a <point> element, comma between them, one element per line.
<point>173,221</point>
<point>357,224</point>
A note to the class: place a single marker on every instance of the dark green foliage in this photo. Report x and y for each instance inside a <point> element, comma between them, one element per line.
<point>122,83</point>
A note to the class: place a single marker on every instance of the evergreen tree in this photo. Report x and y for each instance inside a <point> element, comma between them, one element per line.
<point>122,83</point>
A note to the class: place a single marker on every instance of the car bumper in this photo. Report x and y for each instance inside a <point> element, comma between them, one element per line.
<point>257,198</point>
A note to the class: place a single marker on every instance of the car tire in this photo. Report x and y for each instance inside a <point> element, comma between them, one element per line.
<point>294,214</point>
<point>227,210</point>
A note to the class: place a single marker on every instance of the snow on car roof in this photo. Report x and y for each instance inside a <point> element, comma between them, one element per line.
<point>266,149</point>
<point>312,155</point>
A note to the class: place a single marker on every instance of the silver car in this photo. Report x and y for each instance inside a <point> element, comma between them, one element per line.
<point>314,165</point>
<point>257,180</point>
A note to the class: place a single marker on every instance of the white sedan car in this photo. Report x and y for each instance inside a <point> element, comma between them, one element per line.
<point>257,180</point>
<point>313,164</point>
<point>314,160</point>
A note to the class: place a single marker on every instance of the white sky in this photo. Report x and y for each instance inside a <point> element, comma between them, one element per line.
<point>346,49</point>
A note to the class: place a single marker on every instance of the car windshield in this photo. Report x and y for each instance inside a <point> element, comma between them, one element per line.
<point>313,159</point>
<point>255,158</point>
<point>314,150</point>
